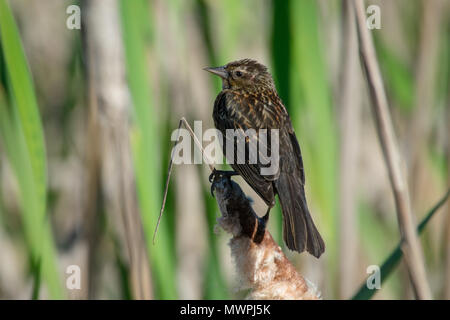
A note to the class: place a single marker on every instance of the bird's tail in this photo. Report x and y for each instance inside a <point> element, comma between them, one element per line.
<point>299,231</point>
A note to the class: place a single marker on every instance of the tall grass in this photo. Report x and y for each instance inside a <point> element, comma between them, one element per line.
<point>215,286</point>
<point>23,137</point>
<point>136,24</point>
<point>314,121</point>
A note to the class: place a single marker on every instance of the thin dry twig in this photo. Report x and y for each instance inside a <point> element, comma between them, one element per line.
<point>411,247</point>
<point>184,122</point>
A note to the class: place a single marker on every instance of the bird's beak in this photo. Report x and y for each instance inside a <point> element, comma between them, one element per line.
<point>220,71</point>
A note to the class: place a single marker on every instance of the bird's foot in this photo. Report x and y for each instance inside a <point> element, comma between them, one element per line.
<point>217,174</point>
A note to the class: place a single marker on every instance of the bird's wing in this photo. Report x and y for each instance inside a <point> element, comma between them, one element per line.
<point>297,152</point>
<point>251,112</point>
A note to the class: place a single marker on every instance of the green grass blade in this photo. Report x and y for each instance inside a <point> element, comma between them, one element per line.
<point>205,28</point>
<point>23,91</point>
<point>281,49</point>
<point>37,281</point>
<point>312,112</point>
<point>24,140</point>
<point>144,139</point>
<point>313,118</point>
<point>281,59</point>
<point>394,258</point>
<point>215,286</point>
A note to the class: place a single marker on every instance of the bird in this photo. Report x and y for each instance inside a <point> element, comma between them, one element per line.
<point>249,100</point>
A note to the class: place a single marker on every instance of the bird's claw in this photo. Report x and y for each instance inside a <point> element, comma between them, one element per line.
<point>212,175</point>
<point>216,175</point>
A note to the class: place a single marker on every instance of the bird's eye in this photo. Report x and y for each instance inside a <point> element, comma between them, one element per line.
<point>238,74</point>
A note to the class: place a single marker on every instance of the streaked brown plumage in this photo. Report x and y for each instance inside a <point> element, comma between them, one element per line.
<point>249,100</point>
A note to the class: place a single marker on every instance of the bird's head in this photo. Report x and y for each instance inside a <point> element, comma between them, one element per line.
<point>244,74</point>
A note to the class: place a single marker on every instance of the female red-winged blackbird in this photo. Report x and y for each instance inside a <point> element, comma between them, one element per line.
<point>249,100</point>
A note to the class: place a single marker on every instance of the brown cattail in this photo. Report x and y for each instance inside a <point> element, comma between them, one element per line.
<point>260,263</point>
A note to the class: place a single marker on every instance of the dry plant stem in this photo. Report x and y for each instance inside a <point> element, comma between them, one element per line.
<point>92,181</point>
<point>425,80</point>
<point>411,245</point>
<point>260,264</point>
<point>111,104</point>
<point>349,120</point>
<point>197,142</point>
<point>92,178</point>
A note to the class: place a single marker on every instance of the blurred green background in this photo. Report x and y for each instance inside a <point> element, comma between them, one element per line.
<point>86,117</point>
